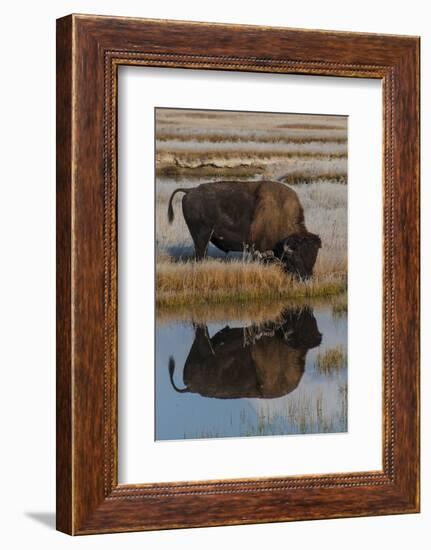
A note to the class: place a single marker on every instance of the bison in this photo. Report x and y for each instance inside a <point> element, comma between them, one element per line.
<point>259,216</point>
<point>261,361</point>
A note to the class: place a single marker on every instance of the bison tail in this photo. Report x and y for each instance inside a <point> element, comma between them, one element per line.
<point>171,376</point>
<point>170,208</point>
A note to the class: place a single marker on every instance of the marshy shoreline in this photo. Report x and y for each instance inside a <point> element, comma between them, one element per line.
<point>214,281</point>
<point>309,153</point>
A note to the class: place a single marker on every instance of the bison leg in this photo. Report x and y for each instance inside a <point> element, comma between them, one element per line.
<point>201,239</point>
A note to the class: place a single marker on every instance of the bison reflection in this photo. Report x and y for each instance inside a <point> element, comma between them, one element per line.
<point>263,361</point>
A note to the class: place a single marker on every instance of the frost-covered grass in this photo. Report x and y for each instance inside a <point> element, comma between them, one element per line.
<point>192,144</point>
<point>307,152</point>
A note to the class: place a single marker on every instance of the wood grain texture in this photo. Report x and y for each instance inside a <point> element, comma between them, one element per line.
<point>90,49</point>
<point>64,497</point>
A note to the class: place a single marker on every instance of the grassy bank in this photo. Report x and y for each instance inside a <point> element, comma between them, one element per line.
<point>215,281</point>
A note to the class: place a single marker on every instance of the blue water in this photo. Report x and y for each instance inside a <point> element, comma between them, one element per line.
<point>316,401</point>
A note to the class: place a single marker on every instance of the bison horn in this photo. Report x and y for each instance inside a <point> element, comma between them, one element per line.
<point>287,249</point>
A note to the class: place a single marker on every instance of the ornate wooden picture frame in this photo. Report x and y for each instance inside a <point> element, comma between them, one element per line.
<point>89,51</point>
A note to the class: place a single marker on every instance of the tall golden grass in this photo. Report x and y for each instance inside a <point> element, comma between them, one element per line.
<point>216,281</point>
<point>332,359</point>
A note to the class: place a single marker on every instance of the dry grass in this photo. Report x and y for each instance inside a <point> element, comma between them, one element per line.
<point>199,118</point>
<point>331,360</point>
<point>181,134</point>
<point>197,146</point>
<point>325,207</point>
<point>206,172</point>
<point>295,164</point>
<point>304,411</point>
<point>339,306</point>
<point>293,168</point>
<point>319,147</point>
<point>300,178</point>
<point>215,281</point>
<point>227,159</point>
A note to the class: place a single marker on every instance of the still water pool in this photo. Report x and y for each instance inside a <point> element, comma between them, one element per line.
<point>238,378</point>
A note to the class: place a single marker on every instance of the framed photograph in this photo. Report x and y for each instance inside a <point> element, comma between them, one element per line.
<point>237,274</point>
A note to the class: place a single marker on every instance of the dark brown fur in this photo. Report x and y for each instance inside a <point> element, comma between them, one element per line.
<point>257,361</point>
<point>237,216</point>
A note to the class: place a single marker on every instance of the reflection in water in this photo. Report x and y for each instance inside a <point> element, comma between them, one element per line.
<point>263,361</point>
<point>284,376</point>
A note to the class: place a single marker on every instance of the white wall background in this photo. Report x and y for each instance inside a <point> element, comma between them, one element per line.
<point>27,289</point>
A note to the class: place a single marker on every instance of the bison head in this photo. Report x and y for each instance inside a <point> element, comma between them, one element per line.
<point>298,253</point>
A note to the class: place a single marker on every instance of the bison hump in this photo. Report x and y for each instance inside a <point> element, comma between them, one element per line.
<point>277,214</point>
